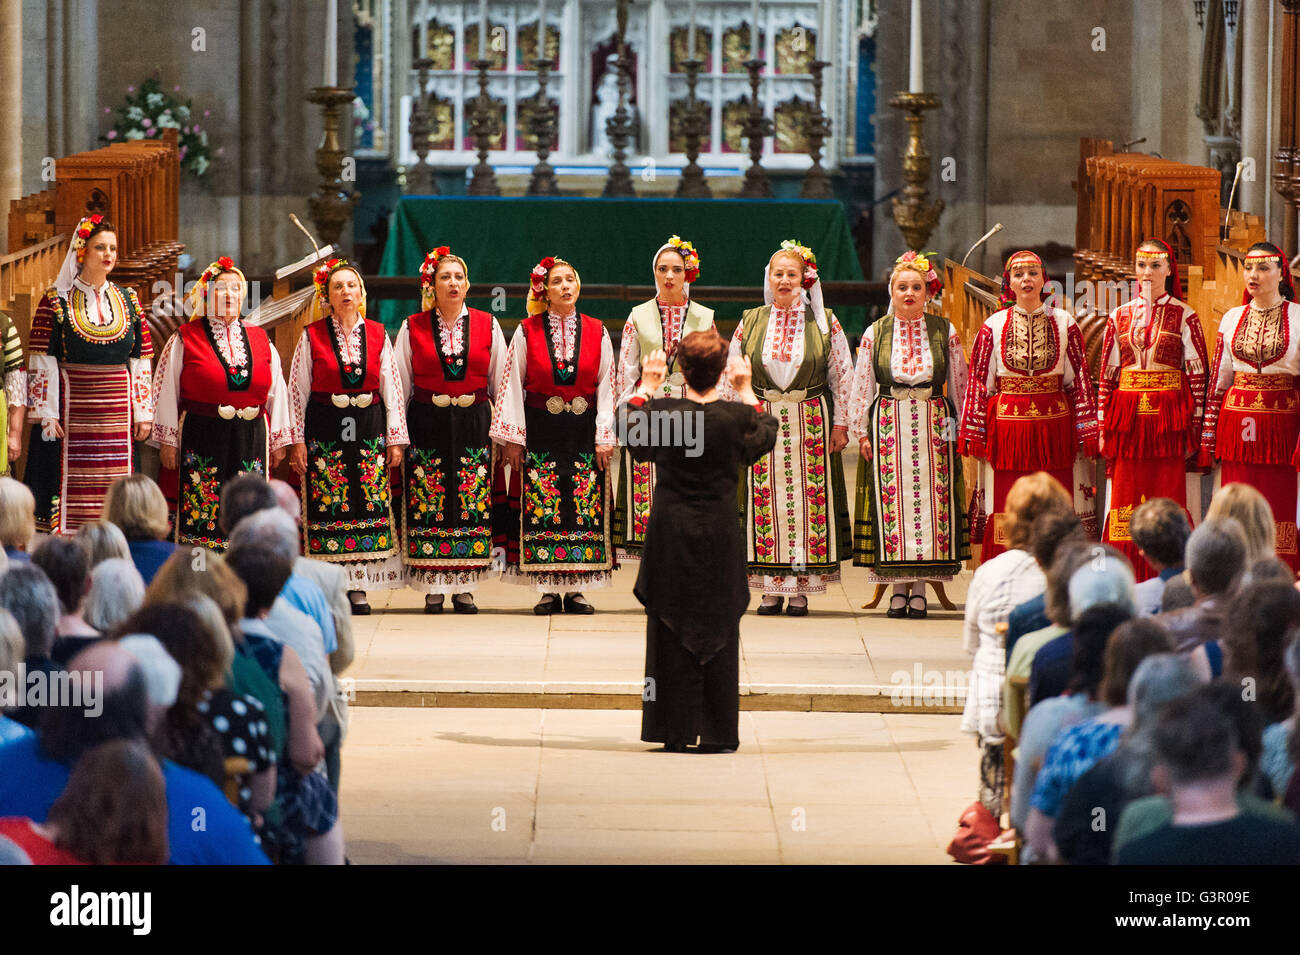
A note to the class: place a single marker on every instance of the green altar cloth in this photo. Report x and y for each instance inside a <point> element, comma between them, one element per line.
<point>611,241</point>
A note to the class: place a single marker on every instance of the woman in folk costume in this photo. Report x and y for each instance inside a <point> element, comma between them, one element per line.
<point>1151,397</point>
<point>1030,404</point>
<point>89,383</point>
<point>348,427</point>
<point>659,324</point>
<point>218,383</point>
<point>1252,415</point>
<point>910,379</point>
<point>13,394</point>
<point>449,357</point>
<point>797,516</point>
<point>554,418</point>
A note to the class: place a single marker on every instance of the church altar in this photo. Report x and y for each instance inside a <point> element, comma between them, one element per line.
<point>611,241</point>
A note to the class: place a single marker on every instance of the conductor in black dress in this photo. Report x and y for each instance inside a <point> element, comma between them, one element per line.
<point>692,579</point>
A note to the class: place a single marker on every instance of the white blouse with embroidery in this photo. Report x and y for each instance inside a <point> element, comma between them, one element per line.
<point>910,363</point>
<point>452,341</point>
<point>508,415</point>
<point>349,344</point>
<point>672,318</point>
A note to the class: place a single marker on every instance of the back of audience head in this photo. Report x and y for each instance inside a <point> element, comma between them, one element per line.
<point>1197,738</point>
<point>1069,557</point>
<point>1092,632</point>
<point>1160,529</point>
<point>1131,643</point>
<point>287,498</point>
<point>1106,578</point>
<point>1252,511</point>
<point>1262,615</point>
<point>114,808</point>
<point>67,565</point>
<point>182,576</point>
<point>1159,678</point>
<point>202,654</point>
<point>263,567</point>
<point>103,541</point>
<point>136,505</point>
<point>162,674</point>
<point>1051,531</point>
<point>65,732</point>
<point>1269,570</point>
<point>11,647</point>
<point>116,592</point>
<point>1216,556</point>
<point>27,593</point>
<point>270,528</point>
<point>1029,497</point>
<point>244,495</point>
<point>17,514</point>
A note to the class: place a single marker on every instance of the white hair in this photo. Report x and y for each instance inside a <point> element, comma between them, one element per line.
<point>269,529</point>
<point>116,592</point>
<point>1106,579</point>
<point>162,674</point>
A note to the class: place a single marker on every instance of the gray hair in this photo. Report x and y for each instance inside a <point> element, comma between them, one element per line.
<point>270,530</point>
<point>11,646</point>
<point>162,674</point>
<point>103,540</point>
<point>1105,579</point>
<point>1158,679</point>
<point>27,593</point>
<point>1216,554</point>
<point>116,592</point>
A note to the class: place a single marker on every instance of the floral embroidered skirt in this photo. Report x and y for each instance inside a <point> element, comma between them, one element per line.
<point>636,488</point>
<point>447,495</point>
<point>563,523</point>
<point>796,509</point>
<point>909,514</point>
<point>347,511</point>
<point>212,451</point>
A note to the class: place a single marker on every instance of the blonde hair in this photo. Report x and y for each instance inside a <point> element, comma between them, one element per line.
<point>1251,509</point>
<point>1031,496</point>
<point>17,514</point>
<point>184,576</point>
<point>213,618</point>
<point>789,254</point>
<point>103,540</point>
<point>136,505</point>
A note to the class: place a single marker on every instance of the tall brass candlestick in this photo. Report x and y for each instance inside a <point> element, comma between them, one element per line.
<point>692,184</point>
<point>816,184</point>
<point>757,128</point>
<point>915,216</point>
<point>420,179</point>
<point>541,125</point>
<point>331,205</point>
<point>483,126</point>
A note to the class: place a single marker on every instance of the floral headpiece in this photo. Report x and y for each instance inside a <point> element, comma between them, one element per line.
<point>536,303</point>
<point>82,235</point>
<point>1024,257</point>
<point>198,294</point>
<point>687,251</point>
<point>321,279</point>
<point>809,260</point>
<point>429,269</point>
<point>923,264</point>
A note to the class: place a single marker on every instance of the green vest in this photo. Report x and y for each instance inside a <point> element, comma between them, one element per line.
<point>816,348</point>
<point>650,329</point>
<point>936,332</point>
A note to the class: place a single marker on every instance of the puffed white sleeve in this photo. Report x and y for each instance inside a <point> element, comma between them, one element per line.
<point>958,370</point>
<point>402,359</point>
<point>508,413</point>
<point>277,404</point>
<point>299,390</point>
<point>839,373</point>
<point>864,387</point>
<point>497,363</point>
<point>390,387</point>
<point>167,394</point>
<point>605,392</point>
<point>629,363</point>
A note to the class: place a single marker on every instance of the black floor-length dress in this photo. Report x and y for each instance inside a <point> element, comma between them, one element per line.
<point>692,578</point>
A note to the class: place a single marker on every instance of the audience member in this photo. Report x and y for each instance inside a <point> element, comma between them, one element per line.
<point>67,565</point>
<point>103,541</point>
<point>1279,742</point>
<point>1199,762</point>
<point>17,519</point>
<point>1050,532</point>
<point>1262,615</point>
<point>1251,510</point>
<point>113,812</point>
<point>1216,557</point>
<point>1160,528</point>
<point>27,593</point>
<point>116,592</point>
<point>136,505</point>
<point>11,656</point>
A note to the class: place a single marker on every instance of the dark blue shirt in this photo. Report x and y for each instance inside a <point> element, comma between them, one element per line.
<point>1050,674</point>
<point>149,555</point>
<point>203,828</point>
<point>1026,618</point>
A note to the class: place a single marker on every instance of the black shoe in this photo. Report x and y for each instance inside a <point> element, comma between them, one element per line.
<point>770,610</point>
<point>547,605</point>
<point>793,609</point>
<point>714,748</point>
<point>671,748</point>
<point>360,608</point>
<point>430,607</point>
<point>899,611</point>
<point>914,612</point>
<point>576,603</point>
<point>463,603</point>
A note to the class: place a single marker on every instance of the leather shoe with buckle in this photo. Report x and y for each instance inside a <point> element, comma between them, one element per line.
<point>432,607</point>
<point>770,610</point>
<point>914,612</point>
<point>898,612</point>
<point>577,603</point>
<point>463,603</point>
<point>550,603</point>
<point>793,609</point>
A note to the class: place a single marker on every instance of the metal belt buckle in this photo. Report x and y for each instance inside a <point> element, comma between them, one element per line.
<point>226,412</point>
<point>772,395</point>
<point>441,401</point>
<point>364,401</point>
<point>463,401</point>
<point>555,404</point>
<point>578,405</point>
<point>247,414</point>
<point>339,401</point>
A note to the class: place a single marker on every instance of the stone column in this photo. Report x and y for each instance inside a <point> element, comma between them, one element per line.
<point>1286,169</point>
<point>11,109</point>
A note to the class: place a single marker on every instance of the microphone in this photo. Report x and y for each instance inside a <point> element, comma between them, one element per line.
<point>984,238</point>
<point>294,219</point>
<point>1232,194</point>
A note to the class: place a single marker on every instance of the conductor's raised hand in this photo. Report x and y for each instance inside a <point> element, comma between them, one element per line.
<point>654,370</point>
<point>739,372</point>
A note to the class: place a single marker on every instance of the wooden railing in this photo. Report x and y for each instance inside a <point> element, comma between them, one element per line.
<point>24,277</point>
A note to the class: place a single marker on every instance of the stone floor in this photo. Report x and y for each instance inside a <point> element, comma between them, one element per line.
<point>577,786</point>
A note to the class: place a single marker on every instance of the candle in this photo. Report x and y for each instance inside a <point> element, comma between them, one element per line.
<point>755,52</point>
<point>332,43</point>
<point>541,29</point>
<point>691,54</point>
<point>482,29</point>
<point>914,84</point>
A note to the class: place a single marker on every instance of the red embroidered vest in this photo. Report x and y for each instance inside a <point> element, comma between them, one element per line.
<point>203,376</point>
<point>426,368</point>
<point>326,376</point>
<point>539,375</point>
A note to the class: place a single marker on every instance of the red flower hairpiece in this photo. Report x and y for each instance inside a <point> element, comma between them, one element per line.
<point>430,265</point>
<point>322,276</point>
<point>82,235</point>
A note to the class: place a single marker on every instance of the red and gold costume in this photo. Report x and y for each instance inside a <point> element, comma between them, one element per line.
<point>1029,407</point>
<point>1150,405</point>
<point>1252,413</point>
